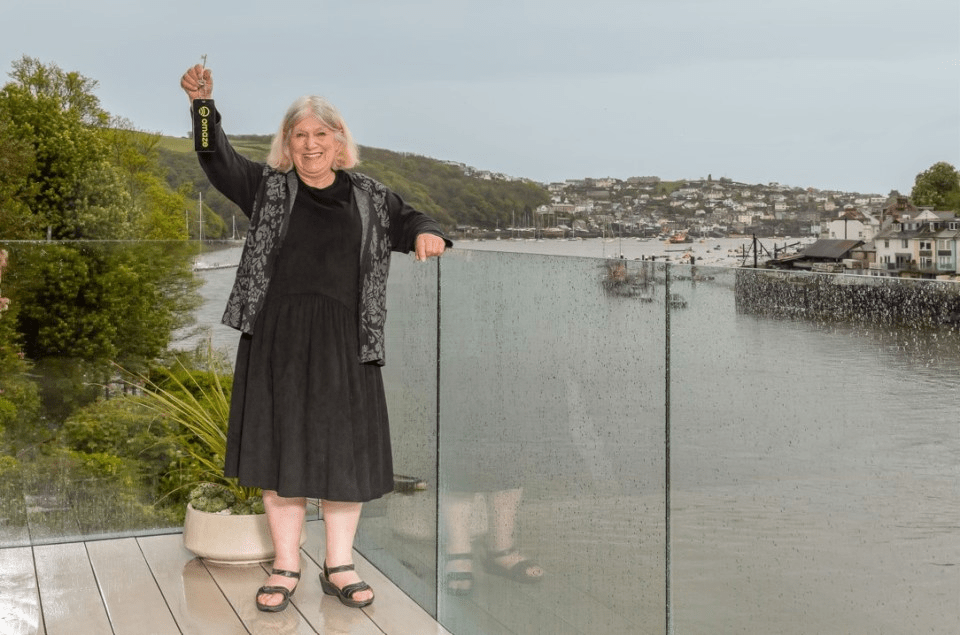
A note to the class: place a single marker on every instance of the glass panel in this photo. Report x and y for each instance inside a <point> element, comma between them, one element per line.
<point>398,532</point>
<point>75,461</point>
<point>551,415</point>
<point>814,449</point>
<point>812,420</point>
<point>215,268</point>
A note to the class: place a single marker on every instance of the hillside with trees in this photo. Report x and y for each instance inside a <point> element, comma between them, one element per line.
<point>451,193</point>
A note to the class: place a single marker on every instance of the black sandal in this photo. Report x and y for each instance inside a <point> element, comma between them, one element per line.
<point>518,571</point>
<point>277,590</point>
<point>458,582</point>
<point>346,593</point>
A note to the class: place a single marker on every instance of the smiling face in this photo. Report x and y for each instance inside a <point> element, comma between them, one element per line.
<point>314,148</point>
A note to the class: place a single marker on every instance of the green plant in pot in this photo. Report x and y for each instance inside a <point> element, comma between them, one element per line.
<point>215,498</point>
<point>196,397</point>
<point>224,521</point>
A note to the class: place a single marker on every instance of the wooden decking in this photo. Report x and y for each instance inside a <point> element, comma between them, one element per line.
<point>153,586</point>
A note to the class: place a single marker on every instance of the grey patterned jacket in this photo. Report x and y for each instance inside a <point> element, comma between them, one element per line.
<point>387,224</point>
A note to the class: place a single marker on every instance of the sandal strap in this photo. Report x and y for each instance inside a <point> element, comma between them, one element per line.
<point>519,570</point>
<point>354,588</point>
<point>271,590</point>
<point>523,565</point>
<point>340,569</point>
<point>285,573</point>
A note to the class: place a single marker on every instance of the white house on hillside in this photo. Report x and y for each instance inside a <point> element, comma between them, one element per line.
<point>852,225</point>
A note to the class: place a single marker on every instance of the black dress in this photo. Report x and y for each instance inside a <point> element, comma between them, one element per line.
<point>306,417</point>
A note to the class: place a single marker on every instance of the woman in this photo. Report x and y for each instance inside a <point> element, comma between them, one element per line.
<point>308,415</point>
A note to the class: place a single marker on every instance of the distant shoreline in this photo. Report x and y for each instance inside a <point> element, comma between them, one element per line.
<point>723,252</point>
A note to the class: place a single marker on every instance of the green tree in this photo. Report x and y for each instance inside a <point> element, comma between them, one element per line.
<point>938,187</point>
<point>71,91</point>
<point>16,165</point>
<point>100,302</point>
<point>72,191</point>
<point>156,212</point>
<point>19,394</point>
<point>80,306</point>
<point>121,428</point>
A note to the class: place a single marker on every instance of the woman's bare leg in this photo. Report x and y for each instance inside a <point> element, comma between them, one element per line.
<point>456,513</point>
<point>340,522</point>
<point>285,517</point>
<point>502,512</point>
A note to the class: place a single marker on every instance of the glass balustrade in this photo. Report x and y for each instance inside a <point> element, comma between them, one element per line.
<point>551,445</point>
<point>400,530</point>
<point>669,447</point>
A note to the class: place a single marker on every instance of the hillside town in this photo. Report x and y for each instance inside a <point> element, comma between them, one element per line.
<point>647,206</point>
<point>868,234</point>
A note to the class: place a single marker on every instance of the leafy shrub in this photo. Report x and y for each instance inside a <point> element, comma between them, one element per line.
<point>12,509</point>
<point>195,399</point>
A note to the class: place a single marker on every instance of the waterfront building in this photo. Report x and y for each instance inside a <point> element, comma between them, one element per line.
<point>919,245</point>
<point>825,255</point>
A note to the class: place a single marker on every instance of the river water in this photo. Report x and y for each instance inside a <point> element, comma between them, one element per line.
<point>722,252</point>
<point>815,467</point>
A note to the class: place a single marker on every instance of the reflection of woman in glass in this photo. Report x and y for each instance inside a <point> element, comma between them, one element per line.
<point>308,415</point>
<point>486,453</point>
<point>502,556</point>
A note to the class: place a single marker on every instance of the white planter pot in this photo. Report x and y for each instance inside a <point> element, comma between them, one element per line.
<point>229,539</point>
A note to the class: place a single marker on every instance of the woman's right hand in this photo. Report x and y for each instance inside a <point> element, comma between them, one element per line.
<point>197,82</point>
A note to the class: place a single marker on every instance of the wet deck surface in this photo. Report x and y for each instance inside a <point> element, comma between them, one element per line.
<point>153,586</point>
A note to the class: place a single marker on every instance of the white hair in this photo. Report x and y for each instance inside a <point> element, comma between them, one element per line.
<point>325,112</point>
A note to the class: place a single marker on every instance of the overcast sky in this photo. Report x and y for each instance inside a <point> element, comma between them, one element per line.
<point>857,95</point>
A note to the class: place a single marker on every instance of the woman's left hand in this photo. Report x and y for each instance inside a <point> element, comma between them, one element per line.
<point>428,245</point>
